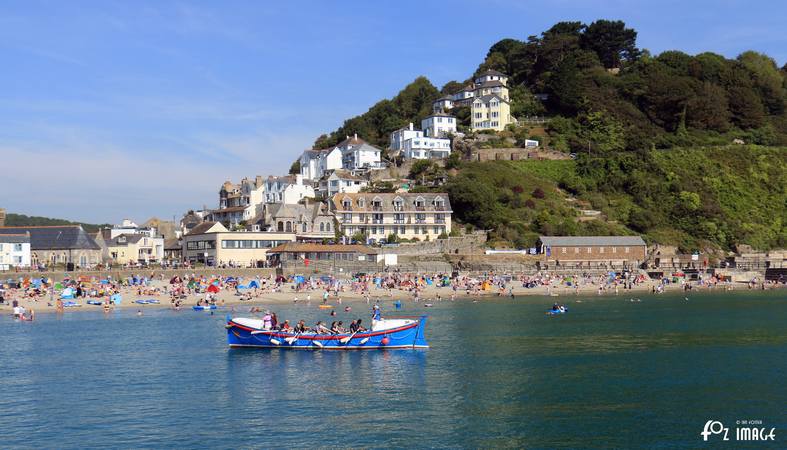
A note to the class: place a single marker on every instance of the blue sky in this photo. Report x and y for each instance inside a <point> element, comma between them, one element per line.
<point>113,109</point>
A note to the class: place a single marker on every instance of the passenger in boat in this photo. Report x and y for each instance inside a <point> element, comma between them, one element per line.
<point>301,327</point>
<point>340,327</point>
<point>334,328</point>
<point>286,326</point>
<point>320,328</point>
<point>356,326</point>
<point>274,321</point>
<point>266,320</point>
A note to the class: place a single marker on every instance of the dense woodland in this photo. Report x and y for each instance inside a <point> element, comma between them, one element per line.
<point>652,136</point>
<point>21,220</point>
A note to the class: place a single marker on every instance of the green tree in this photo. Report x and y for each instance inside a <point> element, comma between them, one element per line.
<point>295,168</point>
<point>612,42</point>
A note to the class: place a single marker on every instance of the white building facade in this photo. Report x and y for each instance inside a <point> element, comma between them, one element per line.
<point>14,251</point>
<point>426,148</point>
<point>288,189</point>
<point>439,125</point>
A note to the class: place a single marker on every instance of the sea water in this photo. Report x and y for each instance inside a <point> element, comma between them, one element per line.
<point>611,373</point>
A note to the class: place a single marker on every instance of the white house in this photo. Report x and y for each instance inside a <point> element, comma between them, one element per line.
<point>439,125</point>
<point>340,181</point>
<point>399,136</point>
<point>425,148</point>
<point>491,75</point>
<point>287,189</point>
<point>314,163</point>
<point>358,154</point>
<point>14,250</point>
<point>465,96</point>
<point>443,103</point>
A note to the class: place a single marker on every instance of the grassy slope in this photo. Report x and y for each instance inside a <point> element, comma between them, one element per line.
<point>742,190</point>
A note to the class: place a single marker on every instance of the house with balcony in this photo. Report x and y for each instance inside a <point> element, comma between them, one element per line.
<point>422,215</point>
<point>490,108</point>
<point>414,144</point>
<point>238,203</point>
<point>439,125</point>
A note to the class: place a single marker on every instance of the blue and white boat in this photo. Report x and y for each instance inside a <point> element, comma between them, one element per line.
<point>390,333</point>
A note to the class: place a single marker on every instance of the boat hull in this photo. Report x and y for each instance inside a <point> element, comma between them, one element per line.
<point>406,336</point>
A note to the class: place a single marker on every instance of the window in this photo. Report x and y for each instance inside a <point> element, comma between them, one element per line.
<point>322,227</point>
<point>564,250</point>
<point>402,230</point>
<point>346,204</point>
<point>440,119</point>
<point>494,124</point>
<point>288,227</point>
<point>614,249</point>
<point>494,114</point>
<point>626,249</point>
<point>303,227</point>
<point>17,247</point>
<point>347,217</point>
<point>478,115</point>
<point>601,249</point>
<point>450,120</point>
<point>576,250</point>
<point>590,250</point>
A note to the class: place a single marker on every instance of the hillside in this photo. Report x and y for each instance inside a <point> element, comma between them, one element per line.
<point>605,94</point>
<point>652,135</point>
<point>20,220</point>
<point>715,197</point>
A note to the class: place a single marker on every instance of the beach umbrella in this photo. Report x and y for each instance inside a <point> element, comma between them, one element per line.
<point>213,288</point>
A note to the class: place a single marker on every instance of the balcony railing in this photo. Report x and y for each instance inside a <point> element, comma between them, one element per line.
<point>377,207</point>
<point>420,208</point>
<point>377,221</point>
<point>420,220</point>
<point>439,221</point>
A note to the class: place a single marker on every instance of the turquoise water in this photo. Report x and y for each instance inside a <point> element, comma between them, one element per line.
<point>609,374</point>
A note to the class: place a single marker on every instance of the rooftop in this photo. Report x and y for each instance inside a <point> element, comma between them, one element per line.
<point>589,241</point>
<point>59,237</point>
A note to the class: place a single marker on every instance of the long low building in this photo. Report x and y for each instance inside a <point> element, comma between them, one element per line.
<point>597,249</point>
<point>69,245</point>
<point>211,243</point>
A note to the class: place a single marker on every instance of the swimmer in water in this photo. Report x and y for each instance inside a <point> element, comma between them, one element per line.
<point>139,312</point>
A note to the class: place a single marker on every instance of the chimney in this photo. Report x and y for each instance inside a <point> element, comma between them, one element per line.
<point>355,136</point>
<point>411,126</point>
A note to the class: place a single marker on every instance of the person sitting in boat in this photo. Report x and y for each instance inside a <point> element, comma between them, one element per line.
<point>319,328</point>
<point>334,328</point>
<point>301,327</point>
<point>286,327</point>
<point>356,326</point>
<point>340,327</point>
<point>274,321</point>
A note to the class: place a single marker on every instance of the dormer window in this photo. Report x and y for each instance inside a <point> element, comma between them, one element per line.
<point>361,203</point>
<point>346,203</point>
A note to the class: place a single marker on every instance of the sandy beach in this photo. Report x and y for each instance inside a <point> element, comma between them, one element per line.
<point>346,296</point>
